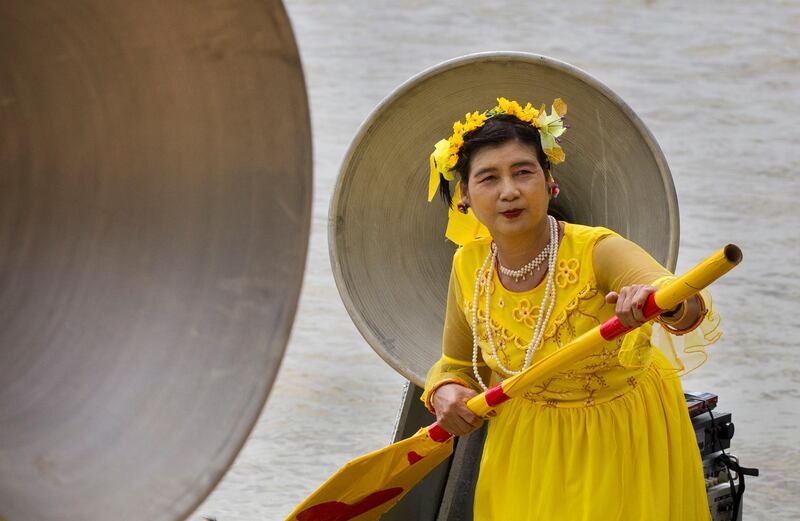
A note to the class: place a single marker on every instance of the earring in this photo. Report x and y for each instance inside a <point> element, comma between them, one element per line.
<point>554,190</point>
<point>463,208</point>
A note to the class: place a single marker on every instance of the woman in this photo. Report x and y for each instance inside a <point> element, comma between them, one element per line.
<point>610,438</point>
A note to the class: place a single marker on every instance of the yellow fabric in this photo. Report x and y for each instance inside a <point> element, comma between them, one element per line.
<point>618,263</point>
<point>455,364</point>
<point>600,440</point>
<point>379,479</point>
<point>463,228</point>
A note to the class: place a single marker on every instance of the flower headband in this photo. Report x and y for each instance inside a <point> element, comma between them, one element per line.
<point>445,154</point>
<point>462,228</point>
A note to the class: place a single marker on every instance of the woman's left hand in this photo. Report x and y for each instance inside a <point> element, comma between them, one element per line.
<point>630,302</point>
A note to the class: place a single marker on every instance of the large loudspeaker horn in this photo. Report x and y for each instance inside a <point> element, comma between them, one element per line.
<point>155,193</point>
<point>390,259</point>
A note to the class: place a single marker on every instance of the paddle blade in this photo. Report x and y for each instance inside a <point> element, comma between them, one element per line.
<point>369,486</point>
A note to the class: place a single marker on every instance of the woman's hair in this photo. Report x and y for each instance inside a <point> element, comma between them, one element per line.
<point>496,131</point>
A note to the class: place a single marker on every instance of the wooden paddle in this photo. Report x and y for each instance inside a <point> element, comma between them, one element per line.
<point>369,486</point>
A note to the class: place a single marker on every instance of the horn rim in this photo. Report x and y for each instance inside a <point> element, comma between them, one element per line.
<point>190,456</point>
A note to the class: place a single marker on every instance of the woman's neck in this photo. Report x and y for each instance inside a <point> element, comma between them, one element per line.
<point>516,251</point>
<point>520,251</point>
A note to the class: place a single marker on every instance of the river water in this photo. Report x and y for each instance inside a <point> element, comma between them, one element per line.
<point>718,84</point>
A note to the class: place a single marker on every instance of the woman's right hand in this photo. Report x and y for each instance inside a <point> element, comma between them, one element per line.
<point>450,403</point>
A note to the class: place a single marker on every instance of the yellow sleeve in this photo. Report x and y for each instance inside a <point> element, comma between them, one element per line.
<point>618,263</point>
<point>455,364</point>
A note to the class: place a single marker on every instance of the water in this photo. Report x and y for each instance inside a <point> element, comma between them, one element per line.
<point>718,84</point>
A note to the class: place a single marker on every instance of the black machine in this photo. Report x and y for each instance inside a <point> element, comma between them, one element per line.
<point>723,474</point>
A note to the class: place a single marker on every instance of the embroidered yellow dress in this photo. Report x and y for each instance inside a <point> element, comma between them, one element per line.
<point>608,439</point>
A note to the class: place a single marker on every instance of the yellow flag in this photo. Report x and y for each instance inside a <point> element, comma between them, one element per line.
<point>369,486</point>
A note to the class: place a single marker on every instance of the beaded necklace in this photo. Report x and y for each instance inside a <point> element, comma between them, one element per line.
<point>548,300</point>
<point>527,270</point>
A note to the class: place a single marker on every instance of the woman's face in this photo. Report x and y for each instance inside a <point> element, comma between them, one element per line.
<point>507,189</point>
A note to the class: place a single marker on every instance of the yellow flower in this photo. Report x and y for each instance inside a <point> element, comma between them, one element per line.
<point>555,155</point>
<point>473,121</point>
<point>450,164</point>
<point>528,114</point>
<point>551,125</point>
<point>456,140</point>
<point>567,272</point>
<point>559,107</point>
<point>525,312</point>
<point>550,129</point>
<point>513,108</point>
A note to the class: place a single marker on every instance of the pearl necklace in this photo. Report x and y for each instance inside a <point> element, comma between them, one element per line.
<point>548,300</point>
<point>527,270</point>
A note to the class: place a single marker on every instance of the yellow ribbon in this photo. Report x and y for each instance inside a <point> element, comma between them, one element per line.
<point>438,161</point>
<point>463,228</point>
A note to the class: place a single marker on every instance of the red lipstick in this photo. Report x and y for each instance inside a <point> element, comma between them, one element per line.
<point>510,214</point>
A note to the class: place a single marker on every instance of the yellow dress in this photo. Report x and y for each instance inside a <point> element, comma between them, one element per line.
<point>608,439</point>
